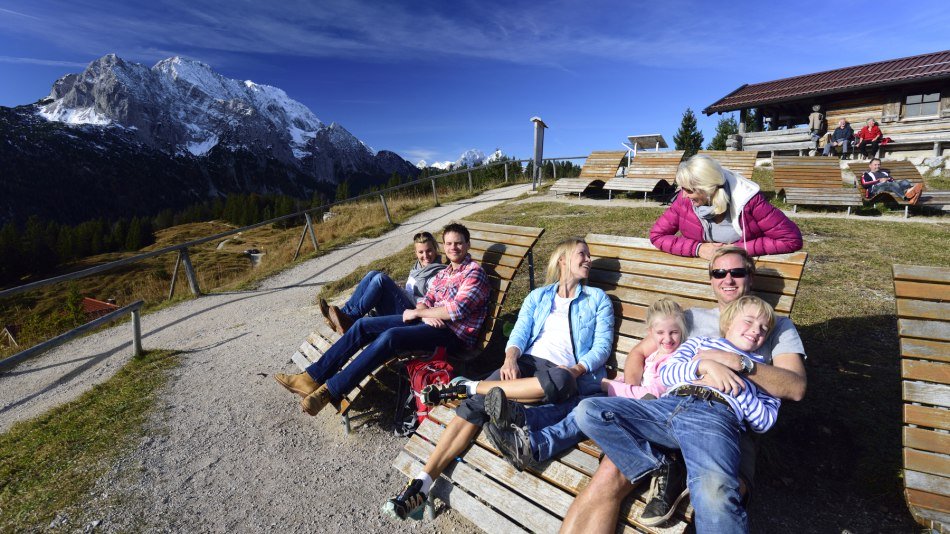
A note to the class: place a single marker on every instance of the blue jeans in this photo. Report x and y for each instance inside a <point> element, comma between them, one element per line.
<point>635,434</point>
<point>550,434</point>
<point>896,187</point>
<point>830,147</point>
<point>377,290</point>
<point>386,335</point>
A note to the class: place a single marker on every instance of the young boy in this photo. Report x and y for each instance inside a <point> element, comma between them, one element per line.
<point>703,414</point>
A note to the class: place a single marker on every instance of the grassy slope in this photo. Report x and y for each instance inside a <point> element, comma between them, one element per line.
<point>49,464</point>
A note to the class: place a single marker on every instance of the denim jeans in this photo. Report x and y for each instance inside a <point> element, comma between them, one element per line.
<point>552,432</point>
<point>830,147</point>
<point>386,335</point>
<point>634,434</point>
<point>896,187</point>
<point>377,290</point>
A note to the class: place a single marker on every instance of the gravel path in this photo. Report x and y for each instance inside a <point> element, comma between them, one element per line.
<point>227,448</point>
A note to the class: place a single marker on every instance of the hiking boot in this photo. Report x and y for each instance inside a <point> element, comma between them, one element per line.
<point>513,444</point>
<point>325,311</point>
<point>503,412</point>
<point>339,321</point>
<point>409,503</point>
<point>913,194</point>
<point>316,401</point>
<point>668,488</point>
<point>300,383</point>
<point>436,394</point>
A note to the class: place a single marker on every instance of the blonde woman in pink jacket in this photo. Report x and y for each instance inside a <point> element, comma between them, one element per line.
<point>718,207</point>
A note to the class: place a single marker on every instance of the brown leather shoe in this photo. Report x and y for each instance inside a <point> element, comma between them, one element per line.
<point>339,321</point>
<point>300,383</point>
<point>914,193</point>
<point>316,401</point>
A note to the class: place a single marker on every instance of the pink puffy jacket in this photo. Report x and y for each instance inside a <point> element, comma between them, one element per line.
<point>766,230</point>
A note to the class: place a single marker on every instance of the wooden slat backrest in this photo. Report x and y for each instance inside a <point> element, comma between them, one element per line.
<point>899,169</point>
<point>603,165</point>
<point>734,160</point>
<point>923,312</point>
<point>501,249</point>
<point>635,274</point>
<point>807,172</point>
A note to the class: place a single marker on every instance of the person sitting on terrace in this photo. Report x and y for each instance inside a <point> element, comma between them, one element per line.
<point>719,207</point>
<point>451,315</point>
<point>377,291</point>
<point>840,137</point>
<point>869,139</point>
<point>556,353</point>
<point>875,181</point>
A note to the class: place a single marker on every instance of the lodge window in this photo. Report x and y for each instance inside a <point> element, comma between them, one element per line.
<point>924,105</point>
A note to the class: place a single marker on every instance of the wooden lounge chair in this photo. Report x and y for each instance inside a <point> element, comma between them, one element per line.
<point>493,495</point>
<point>734,160</point>
<point>648,172</point>
<point>901,170</point>
<point>500,249</point>
<point>923,311</point>
<point>599,167</point>
<point>810,181</point>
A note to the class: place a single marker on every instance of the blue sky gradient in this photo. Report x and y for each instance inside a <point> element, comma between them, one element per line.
<point>430,80</point>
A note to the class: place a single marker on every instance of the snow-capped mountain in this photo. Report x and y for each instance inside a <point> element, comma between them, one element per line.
<point>184,107</point>
<point>469,158</point>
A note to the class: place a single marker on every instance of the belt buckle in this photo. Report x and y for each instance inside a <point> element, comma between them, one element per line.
<point>703,393</point>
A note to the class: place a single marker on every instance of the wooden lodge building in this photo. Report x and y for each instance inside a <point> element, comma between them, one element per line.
<point>908,97</point>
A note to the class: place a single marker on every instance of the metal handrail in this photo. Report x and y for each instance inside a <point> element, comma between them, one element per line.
<point>133,308</point>
<point>182,247</point>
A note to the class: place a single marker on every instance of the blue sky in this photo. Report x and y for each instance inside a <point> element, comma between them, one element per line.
<point>432,79</point>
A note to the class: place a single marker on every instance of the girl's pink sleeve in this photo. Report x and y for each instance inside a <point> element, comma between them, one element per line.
<point>617,388</point>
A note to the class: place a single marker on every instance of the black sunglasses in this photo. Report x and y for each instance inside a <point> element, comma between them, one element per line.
<point>738,272</point>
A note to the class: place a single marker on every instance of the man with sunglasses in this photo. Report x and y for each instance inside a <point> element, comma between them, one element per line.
<point>731,270</point>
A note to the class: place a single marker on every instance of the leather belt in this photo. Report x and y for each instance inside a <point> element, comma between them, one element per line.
<point>701,393</point>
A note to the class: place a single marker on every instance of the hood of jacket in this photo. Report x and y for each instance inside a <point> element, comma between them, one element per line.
<point>741,190</point>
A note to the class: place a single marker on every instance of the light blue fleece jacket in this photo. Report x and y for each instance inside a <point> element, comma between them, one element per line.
<point>592,329</point>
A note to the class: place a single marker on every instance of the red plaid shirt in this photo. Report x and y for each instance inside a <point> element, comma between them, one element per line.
<point>463,292</point>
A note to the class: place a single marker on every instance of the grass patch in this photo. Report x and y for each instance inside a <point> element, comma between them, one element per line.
<point>49,463</point>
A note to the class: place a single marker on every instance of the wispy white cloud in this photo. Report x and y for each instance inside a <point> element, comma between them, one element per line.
<point>44,62</point>
<point>416,153</point>
<point>17,14</point>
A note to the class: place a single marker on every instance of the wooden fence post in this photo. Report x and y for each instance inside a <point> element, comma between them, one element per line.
<point>136,334</point>
<point>190,273</point>
<point>434,194</point>
<point>386,208</point>
<point>470,188</point>
<point>171,290</point>
<point>313,235</point>
<point>506,173</point>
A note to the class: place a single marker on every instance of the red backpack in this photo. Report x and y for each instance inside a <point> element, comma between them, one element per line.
<point>422,372</point>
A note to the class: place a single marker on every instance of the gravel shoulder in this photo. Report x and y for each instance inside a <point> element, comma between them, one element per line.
<point>227,448</point>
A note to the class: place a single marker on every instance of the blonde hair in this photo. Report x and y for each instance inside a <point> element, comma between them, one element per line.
<point>564,249</point>
<point>664,308</point>
<point>704,174</point>
<point>426,237</point>
<point>747,260</point>
<point>735,308</point>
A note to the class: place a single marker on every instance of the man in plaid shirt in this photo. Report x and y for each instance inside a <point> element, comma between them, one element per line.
<point>450,316</point>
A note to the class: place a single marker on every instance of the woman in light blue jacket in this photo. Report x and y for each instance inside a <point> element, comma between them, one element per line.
<point>556,352</point>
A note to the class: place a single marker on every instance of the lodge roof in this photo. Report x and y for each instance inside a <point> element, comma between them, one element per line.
<point>934,65</point>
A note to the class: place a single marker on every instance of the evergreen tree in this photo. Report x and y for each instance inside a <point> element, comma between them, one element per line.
<point>343,190</point>
<point>72,312</point>
<point>688,137</point>
<point>394,180</point>
<point>727,126</point>
<point>750,116</point>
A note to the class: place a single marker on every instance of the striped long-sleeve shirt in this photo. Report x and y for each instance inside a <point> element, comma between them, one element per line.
<point>756,407</point>
<point>464,294</point>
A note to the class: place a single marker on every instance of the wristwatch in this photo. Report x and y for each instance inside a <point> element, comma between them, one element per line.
<point>748,365</point>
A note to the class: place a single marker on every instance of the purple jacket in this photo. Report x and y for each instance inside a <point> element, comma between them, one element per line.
<point>764,229</point>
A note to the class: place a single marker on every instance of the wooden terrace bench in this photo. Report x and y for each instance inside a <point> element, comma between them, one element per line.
<point>901,170</point>
<point>923,311</point>
<point>497,498</point>
<point>500,249</point>
<point>734,160</point>
<point>599,167</point>
<point>647,172</point>
<point>813,181</point>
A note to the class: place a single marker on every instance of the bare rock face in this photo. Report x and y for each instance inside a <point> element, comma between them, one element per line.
<point>184,107</point>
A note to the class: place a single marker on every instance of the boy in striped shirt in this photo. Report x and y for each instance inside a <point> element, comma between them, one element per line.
<point>703,414</point>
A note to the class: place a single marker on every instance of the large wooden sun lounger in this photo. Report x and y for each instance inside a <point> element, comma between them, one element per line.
<point>923,312</point>
<point>901,170</point>
<point>648,172</point>
<point>812,181</point>
<point>599,167</point>
<point>734,160</point>
<point>500,249</point>
<point>497,498</point>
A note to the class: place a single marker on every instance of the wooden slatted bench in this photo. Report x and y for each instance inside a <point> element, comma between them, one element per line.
<point>500,249</point>
<point>600,166</point>
<point>734,160</point>
<point>493,495</point>
<point>647,172</point>
<point>923,311</point>
<point>901,170</point>
<point>811,181</point>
